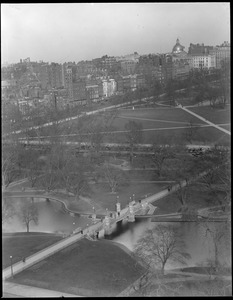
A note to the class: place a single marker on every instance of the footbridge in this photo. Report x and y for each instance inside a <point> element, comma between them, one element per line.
<point>98,228</point>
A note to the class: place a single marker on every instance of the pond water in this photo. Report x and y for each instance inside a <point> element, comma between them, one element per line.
<point>53,218</point>
<point>198,245</point>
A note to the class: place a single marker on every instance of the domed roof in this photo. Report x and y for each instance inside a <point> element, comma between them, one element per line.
<point>178,47</point>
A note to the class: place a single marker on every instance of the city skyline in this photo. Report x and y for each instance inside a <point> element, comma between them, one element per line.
<point>75,32</point>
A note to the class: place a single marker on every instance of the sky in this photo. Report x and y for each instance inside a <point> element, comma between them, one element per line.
<point>62,32</point>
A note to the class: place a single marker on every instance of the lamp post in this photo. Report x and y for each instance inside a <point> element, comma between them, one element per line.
<point>73,231</point>
<point>93,209</point>
<point>11,267</point>
<point>133,197</point>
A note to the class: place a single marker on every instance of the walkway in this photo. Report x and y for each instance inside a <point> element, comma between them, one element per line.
<point>43,194</point>
<point>124,214</point>
<point>186,276</point>
<point>31,291</point>
<point>40,255</point>
<point>75,117</point>
<point>203,119</point>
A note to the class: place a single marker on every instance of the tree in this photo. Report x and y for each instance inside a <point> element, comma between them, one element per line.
<point>114,176</point>
<point>157,88</point>
<point>28,214</point>
<point>30,159</point>
<point>218,232</point>
<point>133,135</point>
<point>8,210</point>
<point>160,245</point>
<point>74,176</point>
<point>11,151</point>
<point>225,75</point>
<point>218,180</point>
<point>171,91</point>
<point>162,150</point>
<point>182,195</point>
<point>190,132</point>
<point>189,214</point>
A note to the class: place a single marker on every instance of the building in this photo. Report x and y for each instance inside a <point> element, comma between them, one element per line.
<point>203,61</point>
<point>181,62</point>
<point>141,82</point>
<point>166,67</point>
<point>110,64</point>
<point>128,66</point>
<point>109,87</point>
<point>44,76</point>
<point>222,54</point>
<point>85,68</point>
<point>55,75</point>
<point>50,76</point>
<point>79,90</point>
<point>92,91</point>
<point>199,49</point>
<point>133,57</point>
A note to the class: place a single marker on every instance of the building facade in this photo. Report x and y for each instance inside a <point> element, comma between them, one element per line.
<point>222,54</point>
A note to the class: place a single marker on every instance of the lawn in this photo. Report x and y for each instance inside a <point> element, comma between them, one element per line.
<point>170,122</point>
<point>187,288</point>
<point>85,268</point>
<point>155,118</point>
<point>196,199</point>
<point>204,270</point>
<point>101,193</point>
<point>217,116</point>
<point>21,245</point>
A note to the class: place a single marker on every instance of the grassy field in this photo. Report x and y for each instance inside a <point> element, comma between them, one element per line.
<point>217,116</point>
<point>187,288</point>
<point>196,199</point>
<point>21,245</point>
<point>85,268</point>
<point>171,122</point>
<point>101,193</point>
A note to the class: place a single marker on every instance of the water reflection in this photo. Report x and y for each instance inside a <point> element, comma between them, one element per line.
<point>51,217</point>
<point>199,245</point>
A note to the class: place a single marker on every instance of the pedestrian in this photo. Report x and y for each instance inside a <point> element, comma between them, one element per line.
<point>24,259</point>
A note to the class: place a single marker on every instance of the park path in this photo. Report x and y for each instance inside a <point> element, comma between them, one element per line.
<point>186,276</point>
<point>138,206</point>
<point>206,121</point>
<point>76,117</point>
<point>44,253</point>
<point>26,291</point>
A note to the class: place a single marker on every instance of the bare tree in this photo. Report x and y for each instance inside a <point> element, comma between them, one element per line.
<point>28,214</point>
<point>163,150</point>
<point>10,162</point>
<point>182,195</point>
<point>133,135</point>
<point>190,132</point>
<point>74,176</point>
<point>218,183</point>
<point>161,244</point>
<point>217,231</point>
<point>114,176</point>
<point>8,210</point>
